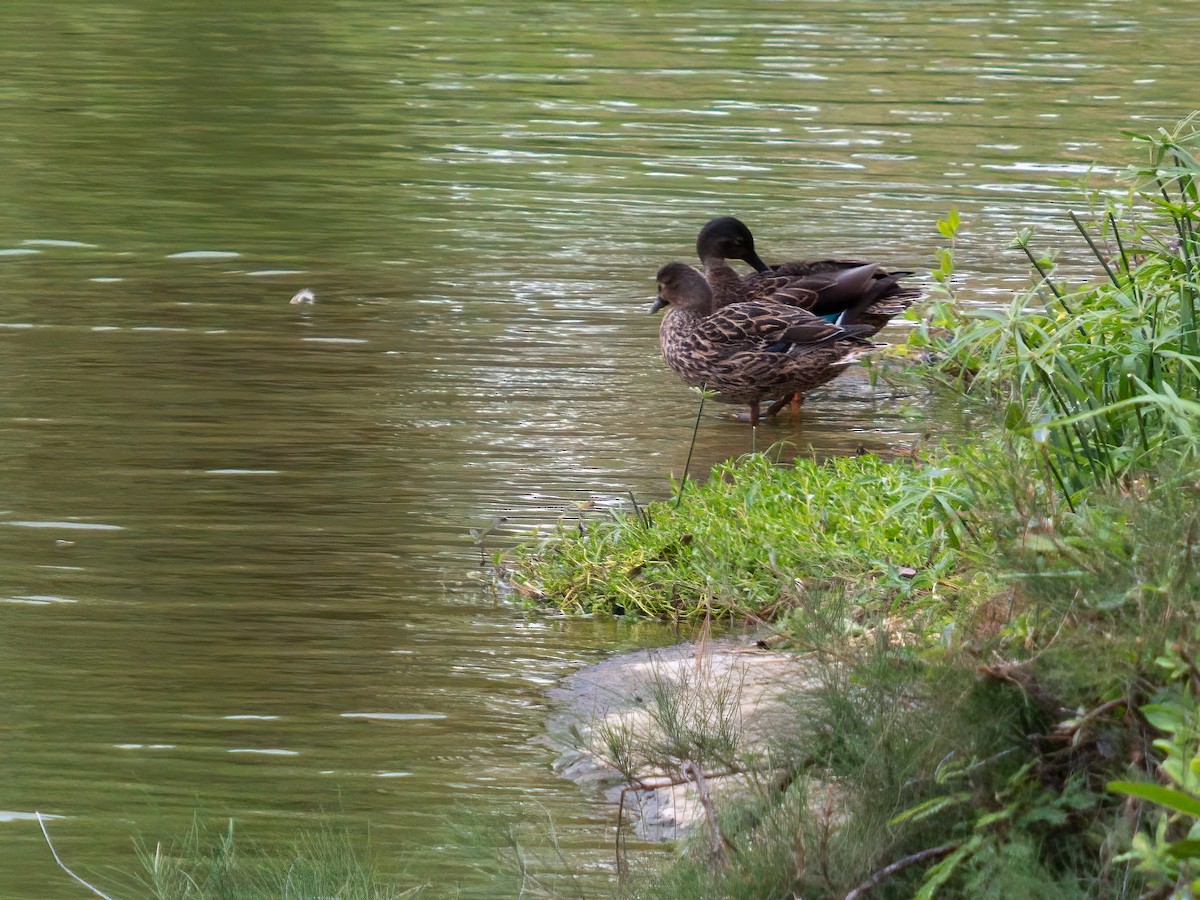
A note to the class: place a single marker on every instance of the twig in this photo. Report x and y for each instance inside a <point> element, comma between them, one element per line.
<point>900,865</point>
<point>1095,250</point>
<point>720,845</point>
<point>61,865</point>
<point>1072,727</point>
<point>619,848</point>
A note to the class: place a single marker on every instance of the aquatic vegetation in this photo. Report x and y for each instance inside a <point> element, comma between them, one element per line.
<point>1102,381</point>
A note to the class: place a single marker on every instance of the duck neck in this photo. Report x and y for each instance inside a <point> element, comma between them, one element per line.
<point>726,284</point>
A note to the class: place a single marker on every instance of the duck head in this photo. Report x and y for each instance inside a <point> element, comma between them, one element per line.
<point>728,238</point>
<point>681,286</point>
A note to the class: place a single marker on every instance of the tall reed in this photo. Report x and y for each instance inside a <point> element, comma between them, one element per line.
<point>1102,381</point>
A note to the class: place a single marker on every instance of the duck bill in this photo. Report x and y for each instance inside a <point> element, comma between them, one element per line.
<point>658,304</point>
<point>756,261</point>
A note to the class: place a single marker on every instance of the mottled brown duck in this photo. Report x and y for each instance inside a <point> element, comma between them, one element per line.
<point>750,350</point>
<point>845,291</point>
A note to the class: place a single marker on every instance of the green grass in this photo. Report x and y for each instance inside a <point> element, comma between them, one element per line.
<point>214,865</point>
<point>757,537</point>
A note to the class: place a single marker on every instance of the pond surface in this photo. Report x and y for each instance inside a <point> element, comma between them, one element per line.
<point>236,568</point>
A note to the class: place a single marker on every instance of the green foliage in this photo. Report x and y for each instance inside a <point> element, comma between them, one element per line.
<point>1168,851</point>
<point>757,536</point>
<point>1020,815</point>
<point>947,228</point>
<point>206,865</point>
<point>1102,381</point>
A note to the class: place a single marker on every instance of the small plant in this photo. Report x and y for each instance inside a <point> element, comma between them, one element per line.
<point>1168,851</point>
<point>1001,838</point>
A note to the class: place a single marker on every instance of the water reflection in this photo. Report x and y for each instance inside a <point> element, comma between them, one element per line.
<point>235,551</point>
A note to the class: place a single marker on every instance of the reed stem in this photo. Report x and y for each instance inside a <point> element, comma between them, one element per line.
<point>691,447</point>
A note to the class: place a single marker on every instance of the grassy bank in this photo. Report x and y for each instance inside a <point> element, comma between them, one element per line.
<point>1006,625</point>
<point>756,537</point>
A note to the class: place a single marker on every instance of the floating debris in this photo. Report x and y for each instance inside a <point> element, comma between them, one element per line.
<point>304,295</point>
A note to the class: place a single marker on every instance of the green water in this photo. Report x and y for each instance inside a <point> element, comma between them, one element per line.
<point>235,545</point>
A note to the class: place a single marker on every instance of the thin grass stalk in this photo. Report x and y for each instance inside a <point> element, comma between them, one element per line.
<point>643,516</point>
<point>1153,368</point>
<point>1058,479</point>
<point>1071,376</point>
<point>1066,412</point>
<point>1042,272</point>
<point>1046,280</point>
<point>1095,250</point>
<point>1137,294</point>
<point>687,465</point>
<point>1142,428</point>
<point>1116,284</point>
<point>1063,409</point>
<point>1187,290</point>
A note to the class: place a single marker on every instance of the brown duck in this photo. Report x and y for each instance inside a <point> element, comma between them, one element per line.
<point>752,349</point>
<point>846,291</point>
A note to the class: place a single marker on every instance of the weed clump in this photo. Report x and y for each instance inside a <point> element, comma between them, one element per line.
<point>207,864</point>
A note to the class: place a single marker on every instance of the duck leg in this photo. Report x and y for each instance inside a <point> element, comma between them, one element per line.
<point>794,399</point>
<point>754,412</point>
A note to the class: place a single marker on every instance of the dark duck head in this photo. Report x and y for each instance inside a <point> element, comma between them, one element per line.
<point>728,238</point>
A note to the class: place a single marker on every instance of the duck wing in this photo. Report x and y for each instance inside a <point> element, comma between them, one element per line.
<point>764,325</point>
<point>802,267</point>
<point>861,293</point>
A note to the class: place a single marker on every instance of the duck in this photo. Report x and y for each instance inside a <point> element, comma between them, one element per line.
<point>749,350</point>
<point>844,291</point>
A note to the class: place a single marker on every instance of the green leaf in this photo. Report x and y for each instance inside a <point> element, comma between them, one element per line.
<point>1164,717</point>
<point>1156,793</point>
<point>929,807</point>
<point>948,226</point>
<point>939,874</point>
<point>1021,240</point>
<point>1014,417</point>
<point>1185,849</point>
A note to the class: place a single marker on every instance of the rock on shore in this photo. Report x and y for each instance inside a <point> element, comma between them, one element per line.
<point>741,689</point>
